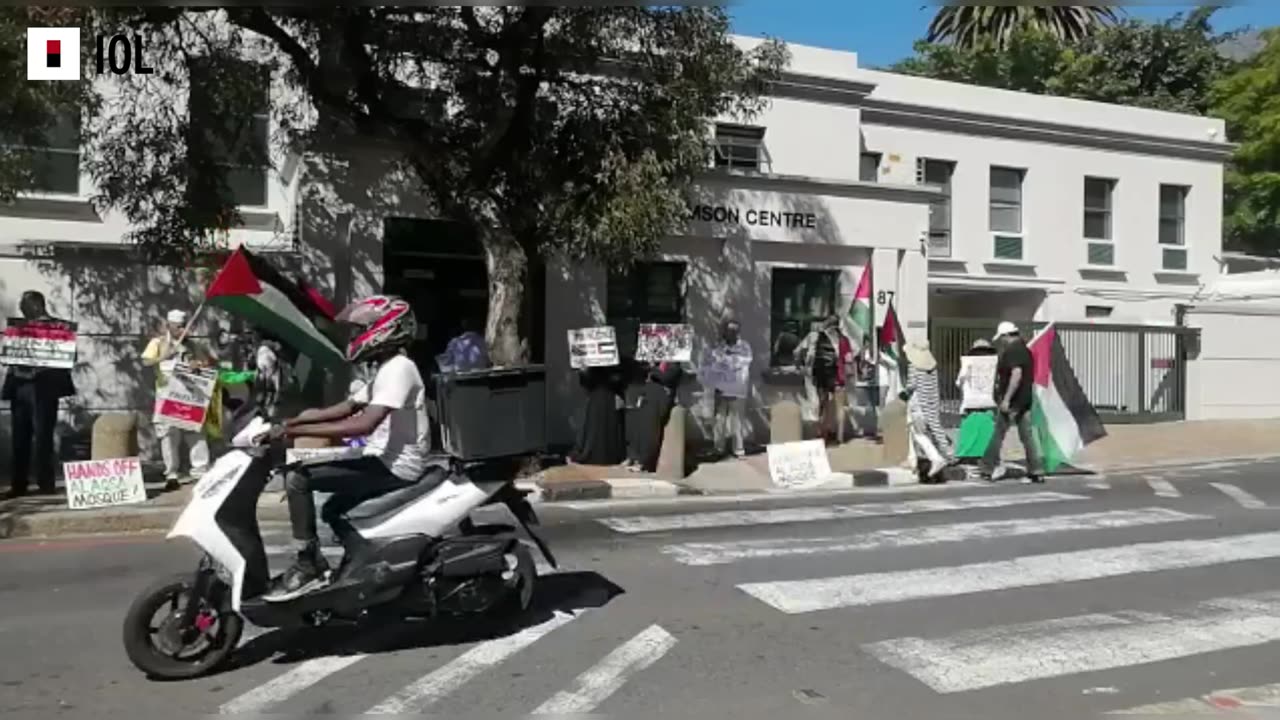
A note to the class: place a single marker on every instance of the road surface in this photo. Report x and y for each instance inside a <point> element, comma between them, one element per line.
<point>1072,599</point>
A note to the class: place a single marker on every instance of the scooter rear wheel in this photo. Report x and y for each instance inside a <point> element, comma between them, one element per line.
<point>158,646</point>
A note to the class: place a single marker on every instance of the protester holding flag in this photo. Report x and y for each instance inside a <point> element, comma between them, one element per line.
<point>1014,395</point>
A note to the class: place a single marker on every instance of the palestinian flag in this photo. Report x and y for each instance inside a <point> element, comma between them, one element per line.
<point>891,341</point>
<point>247,286</point>
<point>1062,418</point>
<point>860,320</point>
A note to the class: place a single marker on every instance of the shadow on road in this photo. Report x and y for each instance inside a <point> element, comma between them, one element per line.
<point>569,592</point>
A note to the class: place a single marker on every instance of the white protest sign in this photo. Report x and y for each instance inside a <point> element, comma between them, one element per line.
<point>102,483</point>
<point>183,400</point>
<point>39,343</point>
<point>664,343</point>
<point>802,464</point>
<point>727,372</point>
<point>981,373</point>
<point>593,347</point>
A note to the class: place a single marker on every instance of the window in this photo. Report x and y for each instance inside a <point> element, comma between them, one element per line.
<point>1097,220</point>
<point>53,156</point>
<point>869,167</point>
<point>799,298</point>
<point>1173,216</point>
<point>741,147</point>
<point>938,172</point>
<point>1006,200</point>
<point>237,141</point>
<point>1097,311</point>
<point>651,292</point>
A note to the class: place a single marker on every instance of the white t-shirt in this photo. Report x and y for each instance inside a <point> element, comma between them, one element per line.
<point>403,439</point>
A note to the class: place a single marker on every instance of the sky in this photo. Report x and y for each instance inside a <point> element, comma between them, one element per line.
<point>882,31</point>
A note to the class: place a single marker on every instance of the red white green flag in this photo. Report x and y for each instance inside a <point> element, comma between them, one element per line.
<point>249,287</point>
<point>860,321</point>
<point>1062,418</point>
<point>891,342</point>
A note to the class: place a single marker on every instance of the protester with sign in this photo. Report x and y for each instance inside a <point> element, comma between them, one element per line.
<point>976,381</point>
<point>600,436</point>
<point>33,393</point>
<point>726,372</point>
<point>164,352</point>
<point>647,419</point>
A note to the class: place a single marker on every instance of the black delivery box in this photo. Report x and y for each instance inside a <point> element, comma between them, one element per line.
<point>497,413</point>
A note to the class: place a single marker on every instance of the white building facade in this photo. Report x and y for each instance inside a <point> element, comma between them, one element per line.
<point>967,203</point>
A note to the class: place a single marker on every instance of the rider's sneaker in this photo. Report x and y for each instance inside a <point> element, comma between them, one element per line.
<point>307,573</point>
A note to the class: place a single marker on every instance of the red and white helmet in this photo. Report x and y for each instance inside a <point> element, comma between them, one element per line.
<point>383,323</point>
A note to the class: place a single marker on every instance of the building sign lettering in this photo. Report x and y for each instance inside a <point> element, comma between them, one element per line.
<point>753,217</point>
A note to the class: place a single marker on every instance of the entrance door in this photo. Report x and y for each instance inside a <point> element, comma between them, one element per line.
<point>439,268</point>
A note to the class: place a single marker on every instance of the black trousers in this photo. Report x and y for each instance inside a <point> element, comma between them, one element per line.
<point>34,415</point>
<point>356,478</point>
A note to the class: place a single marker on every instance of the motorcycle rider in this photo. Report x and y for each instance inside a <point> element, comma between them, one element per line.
<point>390,410</point>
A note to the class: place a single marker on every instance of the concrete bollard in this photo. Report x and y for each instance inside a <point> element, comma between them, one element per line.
<point>785,424</point>
<point>115,435</point>
<point>893,432</point>
<point>671,458</point>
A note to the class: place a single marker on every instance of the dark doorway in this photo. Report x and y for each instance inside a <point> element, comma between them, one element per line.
<point>438,266</point>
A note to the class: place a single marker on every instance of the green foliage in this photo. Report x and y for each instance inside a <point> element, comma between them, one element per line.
<point>1249,100</point>
<point>1027,63</point>
<point>978,26</point>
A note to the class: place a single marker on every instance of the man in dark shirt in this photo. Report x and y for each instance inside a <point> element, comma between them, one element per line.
<point>1014,385</point>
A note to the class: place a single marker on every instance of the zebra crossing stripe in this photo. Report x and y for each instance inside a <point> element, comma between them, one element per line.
<point>1100,484</point>
<point>1244,498</point>
<point>433,686</point>
<point>802,596</point>
<point>605,678</point>
<point>775,516</point>
<point>1008,654</point>
<point>727,552</point>
<point>1163,488</point>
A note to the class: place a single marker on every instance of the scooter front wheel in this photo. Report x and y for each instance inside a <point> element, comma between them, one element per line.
<point>159,644</point>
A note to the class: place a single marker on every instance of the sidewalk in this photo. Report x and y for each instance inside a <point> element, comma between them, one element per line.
<point>1126,446</point>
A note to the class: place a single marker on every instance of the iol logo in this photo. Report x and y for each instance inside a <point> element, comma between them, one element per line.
<point>54,54</point>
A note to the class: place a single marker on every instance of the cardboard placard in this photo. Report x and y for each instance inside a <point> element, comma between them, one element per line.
<point>730,374</point>
<point>664,343</point>
<point>981,373</point>
<point>103,483</point>
<point>799,464</point>
<point>39,343</point>
<point>183,400</point>
<point>593,347</point>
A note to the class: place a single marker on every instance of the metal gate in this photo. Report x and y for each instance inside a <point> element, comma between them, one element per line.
<point>1131,373</point>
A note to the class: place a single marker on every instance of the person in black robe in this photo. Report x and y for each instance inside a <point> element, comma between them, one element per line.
<point>647,421</point>
<point>600,438</point>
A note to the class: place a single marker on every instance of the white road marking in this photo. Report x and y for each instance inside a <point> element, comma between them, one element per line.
<point>1086,643</point>
<point>605,677</point>
<point>289,684</point>
<point>431,687</point>
<point>1244,498</point>
<point>1162,488</point>
<point>768,495</point>
<point>732,518</point>
<point>1100,483</point>
<point>727,552</point>
<point>800,596</point>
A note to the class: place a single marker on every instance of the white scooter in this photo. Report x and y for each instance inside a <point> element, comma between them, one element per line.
<point>409,553</point>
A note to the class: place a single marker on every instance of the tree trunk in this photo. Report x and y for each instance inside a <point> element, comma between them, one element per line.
<point>507,265</point>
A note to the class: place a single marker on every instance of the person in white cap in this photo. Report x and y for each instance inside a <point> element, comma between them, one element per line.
<point>1014,370</point>
<point>163,352</point>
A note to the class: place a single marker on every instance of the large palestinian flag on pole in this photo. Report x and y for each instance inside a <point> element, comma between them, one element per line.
<point>1062,418</point>
<point>860,321</point>
<point>247,286</point>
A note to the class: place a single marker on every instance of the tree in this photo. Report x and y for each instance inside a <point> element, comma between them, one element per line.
<point>973,26</point>
<point>570,131</point>
<point>1168,65</point>
<point>1249,101</point>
